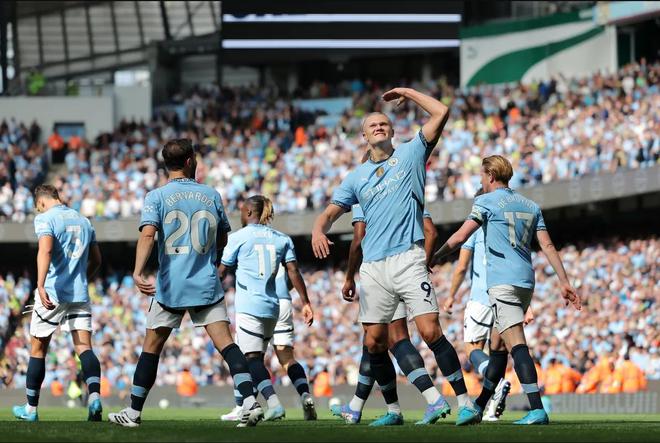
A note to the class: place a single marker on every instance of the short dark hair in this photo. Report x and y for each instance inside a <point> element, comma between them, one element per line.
<point>46,191</point>
<point>176,152</point>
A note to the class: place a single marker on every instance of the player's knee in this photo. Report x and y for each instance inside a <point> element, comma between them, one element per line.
<point>376,344</point>
<point>80,349</point>
<point>39,347</point>
<point>284,356</point>
<point>430,332</point>
<point>396,332</point>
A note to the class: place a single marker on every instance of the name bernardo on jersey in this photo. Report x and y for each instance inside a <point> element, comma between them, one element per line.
<point>187,195</point>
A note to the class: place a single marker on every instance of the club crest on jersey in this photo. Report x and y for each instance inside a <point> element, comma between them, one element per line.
<point>393,161</point>
<point>380,171</point>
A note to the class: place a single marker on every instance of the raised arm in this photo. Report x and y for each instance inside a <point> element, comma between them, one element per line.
<point>354,260</point>
<point>568,293</point>
<point>455,241</point>
<point>464,258</point>
<point>438,112</point>
<point>142,252</point>
<point>299,283</point>
<point>322,224</point>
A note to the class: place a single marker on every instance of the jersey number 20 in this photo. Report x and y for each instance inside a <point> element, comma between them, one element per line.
<point>192,226</point>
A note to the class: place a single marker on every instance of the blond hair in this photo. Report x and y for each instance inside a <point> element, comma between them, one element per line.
<point>264,207</point>
<point>499,167</point>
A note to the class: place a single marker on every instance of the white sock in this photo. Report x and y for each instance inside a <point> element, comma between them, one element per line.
<point>431,395</point>
<point>273,401</point>
<point>92,397</point>
<point>133,413</point>
<point>394,408</point>
<point>356,404</point>
<point>30,409</point>
<point>464,400</point>
<point>248,402</point>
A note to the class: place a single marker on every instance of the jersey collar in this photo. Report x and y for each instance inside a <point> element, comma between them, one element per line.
<point>182,180</point>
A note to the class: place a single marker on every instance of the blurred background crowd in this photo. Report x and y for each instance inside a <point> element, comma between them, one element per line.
<point>296,148</point>
<point>611,346</point>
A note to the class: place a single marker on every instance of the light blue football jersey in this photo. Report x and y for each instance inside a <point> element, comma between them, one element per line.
<point>282,284</point>
<point>358,214</point>
<point>188,216</point>
<point>66,281</point>
<point>478,286</point>
<point>509,221</point>
<point>257,251</point>
<point>391,194</point>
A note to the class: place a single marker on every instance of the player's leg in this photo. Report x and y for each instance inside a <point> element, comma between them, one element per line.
<point>378,304</point>
<point>36,372</point>
<point>42,325</point>
<point>412,365</point>
<point>352,412</point>
<point>297,375</point>
<point>252,336</point>
<point>91,370</point>
<point>78,320</point>
<point>511,303</point>
<point>383,372</point>
<point>160,322</point>
<point>494,375</point>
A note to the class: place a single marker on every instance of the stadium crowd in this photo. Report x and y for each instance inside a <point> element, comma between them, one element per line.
<point>611,346</point>
<point>260,141</point>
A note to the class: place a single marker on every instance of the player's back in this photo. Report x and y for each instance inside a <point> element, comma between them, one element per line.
<point>257,251</point>
<point>188,216</point>
<point>510,222</point>
<point>72,234</point>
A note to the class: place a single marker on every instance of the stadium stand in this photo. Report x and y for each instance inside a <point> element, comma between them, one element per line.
<point>263,141</point>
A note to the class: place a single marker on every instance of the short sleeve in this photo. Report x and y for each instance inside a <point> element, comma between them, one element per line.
<point>290,251</point>
<point>469,244</point>
<point>42,226</point>
<point>150,211</point>
<point>478,213</point>
<point>223,224</point>
<point>540,222</point>
<point>358,214</point>
<point>344,195</point>
<point>417,149</point>
<point>230,252</point>
<point>426,213</point>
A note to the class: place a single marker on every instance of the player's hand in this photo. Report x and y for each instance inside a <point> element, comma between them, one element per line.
<point>308,314</point>
<point>569,294</point>
<point>397,94</point>
<point>348,291</point>
<point>45,300</point>
<point>448,304</point>
<point>321,245</point>
<point>143,285</point>
<point>529,316</point>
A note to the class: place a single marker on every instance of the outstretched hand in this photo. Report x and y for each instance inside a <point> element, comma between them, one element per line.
<point>397,94</point>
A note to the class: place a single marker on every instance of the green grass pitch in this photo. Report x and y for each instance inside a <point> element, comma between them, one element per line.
<point>60,424</point>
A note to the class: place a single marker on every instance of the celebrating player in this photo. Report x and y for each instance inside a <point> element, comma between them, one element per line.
<point>191,224</point>
<point>509,221</point>
<point>68,255</point>
<point>390,190</point>
<point>257,251</point>
<point>405,353</point>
